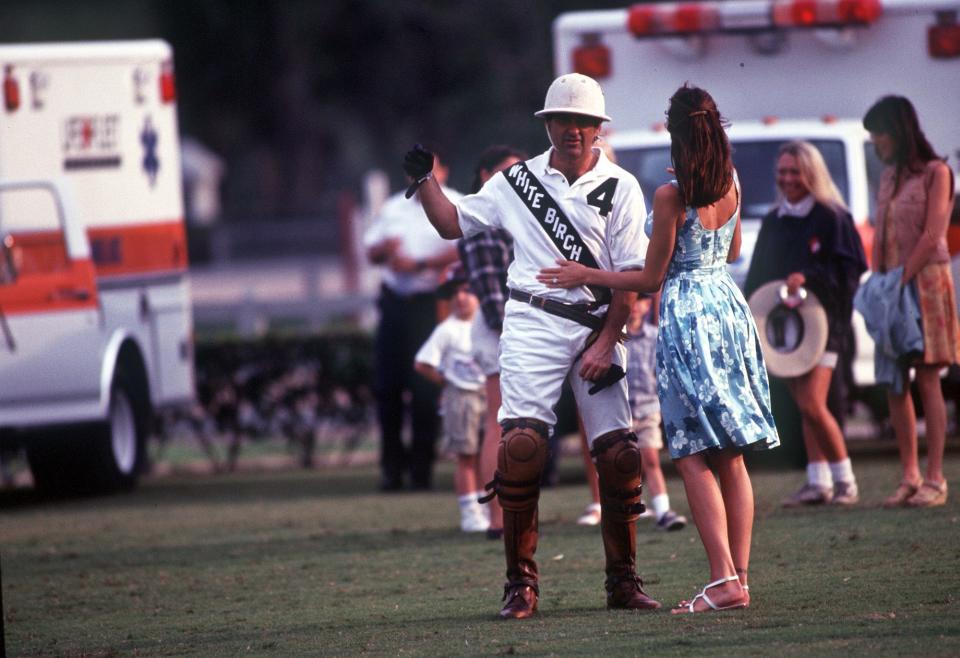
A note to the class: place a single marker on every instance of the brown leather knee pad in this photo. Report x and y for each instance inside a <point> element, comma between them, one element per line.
<point>618,467</point>
<point>520,462</point>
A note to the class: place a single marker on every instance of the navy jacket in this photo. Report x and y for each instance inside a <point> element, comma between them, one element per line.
<point>826,248</point>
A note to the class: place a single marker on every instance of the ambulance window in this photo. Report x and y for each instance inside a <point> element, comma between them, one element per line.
<point>31,231</point>
<point>755,162</point>
<point>649,165</point>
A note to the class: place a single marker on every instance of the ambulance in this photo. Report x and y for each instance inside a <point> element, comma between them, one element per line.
<point>95,315</point>
<point>779,70</point>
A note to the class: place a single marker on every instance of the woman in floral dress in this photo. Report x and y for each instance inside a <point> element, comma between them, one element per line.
<point>711,380</point>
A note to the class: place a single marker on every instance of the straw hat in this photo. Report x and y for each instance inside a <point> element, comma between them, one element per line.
<point>793,337</point>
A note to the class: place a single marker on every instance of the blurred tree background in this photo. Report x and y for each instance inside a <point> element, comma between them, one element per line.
<point>302,98</point>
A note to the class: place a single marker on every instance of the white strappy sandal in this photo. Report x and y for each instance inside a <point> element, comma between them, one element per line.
<point>713,607</point>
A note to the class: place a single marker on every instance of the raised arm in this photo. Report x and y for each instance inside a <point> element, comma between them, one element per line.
<point>418,163</point>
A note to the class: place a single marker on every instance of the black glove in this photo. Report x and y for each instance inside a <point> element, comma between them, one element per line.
<point>614,374</point>
<point>418,165</point>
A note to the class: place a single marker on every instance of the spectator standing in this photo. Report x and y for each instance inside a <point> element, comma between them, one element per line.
<point>711,379</point>
<point>914,202</point>
<point>571,201</point>
<point>486,257</point>
<point>447,360</point>
<point>809,240</point>
<point>402,240</point>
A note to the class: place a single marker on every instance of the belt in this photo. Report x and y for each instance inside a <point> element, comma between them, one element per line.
<point>579,313</point>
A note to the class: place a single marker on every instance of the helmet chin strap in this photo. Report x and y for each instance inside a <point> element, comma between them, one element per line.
<point>549,138</point>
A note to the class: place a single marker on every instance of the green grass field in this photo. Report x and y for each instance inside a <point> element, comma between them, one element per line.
<point>293,563</point>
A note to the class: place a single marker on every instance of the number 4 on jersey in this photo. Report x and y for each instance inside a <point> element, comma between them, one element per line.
<point>602,197</point>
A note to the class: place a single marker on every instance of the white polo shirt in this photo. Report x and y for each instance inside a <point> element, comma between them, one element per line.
<point>405,219</point>
<point>616,240</point>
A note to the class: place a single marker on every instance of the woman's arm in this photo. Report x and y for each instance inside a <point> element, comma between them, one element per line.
<point>734,252</point>
<point>666,209</point>
<point>935,222</point>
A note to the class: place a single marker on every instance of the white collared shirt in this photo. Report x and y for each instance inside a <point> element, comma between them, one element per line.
<point>801,208</point>
<point>405,219</point>
<point>617,241</point>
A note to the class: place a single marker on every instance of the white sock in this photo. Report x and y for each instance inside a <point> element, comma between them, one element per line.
<point>842,471</point>
<point>484,509</point>
<point>466,502</point>
<point>819,474</point>
<point>660,504</point>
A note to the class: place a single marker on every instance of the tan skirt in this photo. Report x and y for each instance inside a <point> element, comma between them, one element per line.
<point>938,312</point>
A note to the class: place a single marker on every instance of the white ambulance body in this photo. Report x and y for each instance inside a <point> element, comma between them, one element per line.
<point>95,318</point>
<point>779,70</point>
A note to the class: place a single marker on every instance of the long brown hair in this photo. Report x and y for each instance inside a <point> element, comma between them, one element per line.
<point>895,116</point>
<point>698,147</point>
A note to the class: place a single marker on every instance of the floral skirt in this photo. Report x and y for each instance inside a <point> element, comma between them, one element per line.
<point>938,312</point>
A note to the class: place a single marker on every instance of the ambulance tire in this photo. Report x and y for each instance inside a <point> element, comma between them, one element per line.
<point>95,458</point>
<point>119,446</point>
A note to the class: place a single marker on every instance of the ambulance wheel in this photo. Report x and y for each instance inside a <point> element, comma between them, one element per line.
<point>119,445</point>
<point>99,457</point>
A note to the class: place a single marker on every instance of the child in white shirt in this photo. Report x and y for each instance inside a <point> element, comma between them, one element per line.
<point>447,359</point>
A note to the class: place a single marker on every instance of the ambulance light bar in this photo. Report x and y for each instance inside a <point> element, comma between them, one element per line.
<point>687,18</point>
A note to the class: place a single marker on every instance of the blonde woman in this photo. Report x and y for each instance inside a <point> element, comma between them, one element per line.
<point>809,239</point>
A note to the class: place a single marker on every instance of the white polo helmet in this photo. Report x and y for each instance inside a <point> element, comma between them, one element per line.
<point>575,93</point>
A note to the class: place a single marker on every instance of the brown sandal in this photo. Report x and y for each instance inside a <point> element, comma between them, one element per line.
<point>930,494</point>
<point>905,490</point>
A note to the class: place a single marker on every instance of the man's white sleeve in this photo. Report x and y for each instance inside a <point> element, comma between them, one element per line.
<point>480,212</point>
<point>625,237</point>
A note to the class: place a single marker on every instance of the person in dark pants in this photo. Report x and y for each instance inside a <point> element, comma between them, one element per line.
<point>402,240</point>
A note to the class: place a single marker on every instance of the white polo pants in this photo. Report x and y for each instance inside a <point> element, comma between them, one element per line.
<point>537,352</point>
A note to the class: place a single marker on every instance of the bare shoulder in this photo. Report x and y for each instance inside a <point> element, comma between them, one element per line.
<point>938,169</point>
<point>667,196</point>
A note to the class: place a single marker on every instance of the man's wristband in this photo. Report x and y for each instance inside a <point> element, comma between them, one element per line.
<point>415,185</point>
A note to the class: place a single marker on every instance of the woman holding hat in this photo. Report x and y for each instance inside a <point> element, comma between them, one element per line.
<point>914,202</point>
<point>809,239</point>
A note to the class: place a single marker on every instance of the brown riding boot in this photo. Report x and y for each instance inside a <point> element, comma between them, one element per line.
<point>520,461</point>
<point>618,469</point>
<point>521,592</point>
<point>624,587</point>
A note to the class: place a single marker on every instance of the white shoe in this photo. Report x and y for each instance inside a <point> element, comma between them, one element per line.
<point>474,520</point>
<point>591,515</point>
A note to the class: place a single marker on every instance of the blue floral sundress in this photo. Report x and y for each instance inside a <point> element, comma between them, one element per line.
<point>711,379</point>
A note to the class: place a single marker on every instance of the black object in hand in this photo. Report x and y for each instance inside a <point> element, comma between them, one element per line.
<point>418,162</point>
<point>614,374</point>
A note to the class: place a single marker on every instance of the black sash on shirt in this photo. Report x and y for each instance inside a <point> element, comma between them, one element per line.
<point>553,221</point>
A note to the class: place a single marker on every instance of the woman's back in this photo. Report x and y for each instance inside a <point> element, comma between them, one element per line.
<point>705,234</point>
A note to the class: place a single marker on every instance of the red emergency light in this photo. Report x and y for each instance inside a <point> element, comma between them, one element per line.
<point>592,57</point>
<point>673,18</point>
<point>642,20</point>
<point>11,89</point>
<point>168,87</point>
<point>943,39</point>
<point>816,13</point>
